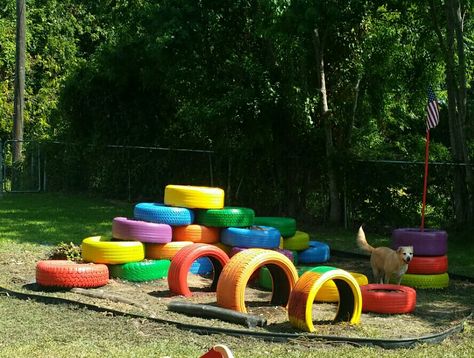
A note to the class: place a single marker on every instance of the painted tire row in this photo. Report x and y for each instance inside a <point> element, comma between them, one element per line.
<point>429,267</point>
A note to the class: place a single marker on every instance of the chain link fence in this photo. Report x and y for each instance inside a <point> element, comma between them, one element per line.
<point>383,194</point>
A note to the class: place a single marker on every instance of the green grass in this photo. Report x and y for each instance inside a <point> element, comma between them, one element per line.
<point>31,223</point>
<point>32,329</point>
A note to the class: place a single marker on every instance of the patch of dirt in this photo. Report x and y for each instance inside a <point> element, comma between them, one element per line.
<point>436,310</point>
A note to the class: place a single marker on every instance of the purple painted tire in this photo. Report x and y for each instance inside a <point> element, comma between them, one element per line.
<point>128,229</point>
<point>429,242</point>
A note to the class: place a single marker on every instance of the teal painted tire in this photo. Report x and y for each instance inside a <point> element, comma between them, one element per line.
<point>141,271</point>
<point>226,217</point>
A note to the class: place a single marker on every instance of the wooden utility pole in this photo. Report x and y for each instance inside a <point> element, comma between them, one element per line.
<point>19,99</point>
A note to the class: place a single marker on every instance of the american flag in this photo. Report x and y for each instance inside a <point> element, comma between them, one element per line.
<point>432,119</point>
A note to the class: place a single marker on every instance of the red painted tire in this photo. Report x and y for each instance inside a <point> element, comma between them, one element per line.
<point>428,242</point>
<point>128,229</point>
<point>184,258</point>
<point>63,273</point>
<point>196,233</point>
<point>390,299</point>
<point>428,265</point>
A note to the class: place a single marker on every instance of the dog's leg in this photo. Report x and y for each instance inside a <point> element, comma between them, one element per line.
<point>377,275</point>
<point>386,278</point>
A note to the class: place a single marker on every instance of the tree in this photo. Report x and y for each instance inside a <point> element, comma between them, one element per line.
<point>19,80</point>
<point>452,45</point>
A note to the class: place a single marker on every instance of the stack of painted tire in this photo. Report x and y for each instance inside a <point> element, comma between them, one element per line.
<point>429,267</point>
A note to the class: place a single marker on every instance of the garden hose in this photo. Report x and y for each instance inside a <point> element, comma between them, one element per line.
<point>277,337</point>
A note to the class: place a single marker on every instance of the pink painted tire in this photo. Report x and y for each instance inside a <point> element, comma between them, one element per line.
<point>128,229</point>
<point>428,242</point>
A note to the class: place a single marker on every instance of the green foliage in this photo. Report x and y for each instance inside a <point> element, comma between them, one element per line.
<point>240,78</point>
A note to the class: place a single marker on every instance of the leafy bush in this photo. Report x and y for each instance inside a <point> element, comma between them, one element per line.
<point>66,251</point>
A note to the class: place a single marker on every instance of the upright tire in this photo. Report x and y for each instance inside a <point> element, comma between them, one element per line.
<point>182,261</point>
<point>300,305</point>
<point>236,274</point>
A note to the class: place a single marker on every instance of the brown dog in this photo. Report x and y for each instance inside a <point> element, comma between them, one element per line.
<point>386,263</point>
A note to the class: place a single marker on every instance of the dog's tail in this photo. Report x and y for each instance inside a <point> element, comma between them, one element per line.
<point>362,241</point>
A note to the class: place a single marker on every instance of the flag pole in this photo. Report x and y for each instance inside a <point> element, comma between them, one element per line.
<point>425,182</point>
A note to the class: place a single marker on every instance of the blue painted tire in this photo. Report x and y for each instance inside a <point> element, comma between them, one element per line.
<point>202,266</point>
<point>162,214</point>
<point>318,252</point>
<point>262,237</point>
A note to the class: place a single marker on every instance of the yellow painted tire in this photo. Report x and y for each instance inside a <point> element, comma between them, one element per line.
<point>102,250</point>
<point>236,274</point>
<point>165,251</point>
<point>299,241</point>
<point>425,281</point>
<point>327,293</point>
<point>300,304</point>
<point>330,293</point>
<point>194,197</point>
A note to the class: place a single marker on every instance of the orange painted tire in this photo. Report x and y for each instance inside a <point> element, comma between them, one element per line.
<point>389,299</point>
<point>300,305</point>
<point>182,261</point>
<point>428,265</point>
<point>196,233</point>
<point>164,251</point>
<point>63,273</point>
<point>236,274</point>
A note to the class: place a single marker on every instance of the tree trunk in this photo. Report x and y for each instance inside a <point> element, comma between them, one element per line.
<point>453,49</point>
<point>334,200</point>
<point>456,83</point>
<point>19,101</point>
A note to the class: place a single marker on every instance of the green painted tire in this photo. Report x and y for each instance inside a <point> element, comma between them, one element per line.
<point>147,270</point>
<point>425,281</point>
<point>226,217</point>
<point>286,226</point>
